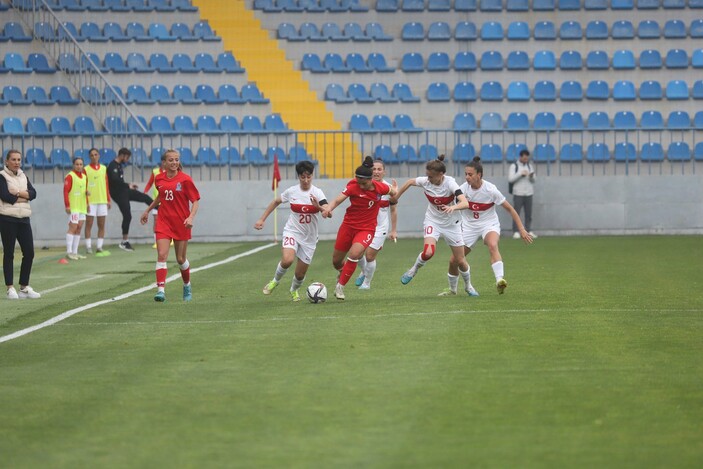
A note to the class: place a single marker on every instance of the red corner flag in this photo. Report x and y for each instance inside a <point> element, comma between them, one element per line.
<point>276,173</point>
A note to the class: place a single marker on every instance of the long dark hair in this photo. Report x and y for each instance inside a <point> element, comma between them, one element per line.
<point>476,164</point>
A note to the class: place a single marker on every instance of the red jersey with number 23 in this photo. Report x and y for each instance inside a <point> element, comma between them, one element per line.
<point>362,214</point>
<point>175,196</point>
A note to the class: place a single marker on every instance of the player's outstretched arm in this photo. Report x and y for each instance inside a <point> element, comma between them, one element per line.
<point>274,203</point>
<point>516,218</point>
<point>463,204</point>
<point>327,209</point>
<point>395,197</point>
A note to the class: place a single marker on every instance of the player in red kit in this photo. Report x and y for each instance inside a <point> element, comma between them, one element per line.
<point>359,225</point>
<point>178,200</point>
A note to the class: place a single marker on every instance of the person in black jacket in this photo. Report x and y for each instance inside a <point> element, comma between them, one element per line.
<point>122,192</point>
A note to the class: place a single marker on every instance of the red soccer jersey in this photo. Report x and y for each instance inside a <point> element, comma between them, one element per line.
<point>175,196</point>
<point>362,212</point>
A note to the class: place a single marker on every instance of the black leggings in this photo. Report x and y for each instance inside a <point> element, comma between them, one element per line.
<point>122,200</point>
<point>21,232</point>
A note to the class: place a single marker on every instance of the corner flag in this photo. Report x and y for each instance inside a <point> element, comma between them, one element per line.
<point>276,173</point>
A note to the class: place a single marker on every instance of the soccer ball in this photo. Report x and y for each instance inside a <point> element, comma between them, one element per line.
<point>317,292</point>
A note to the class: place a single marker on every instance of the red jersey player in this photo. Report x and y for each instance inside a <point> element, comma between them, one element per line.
<point>359,224</point>
<point>178,202</point>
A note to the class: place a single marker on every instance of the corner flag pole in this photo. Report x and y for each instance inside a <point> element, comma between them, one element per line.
<point>274,186</point>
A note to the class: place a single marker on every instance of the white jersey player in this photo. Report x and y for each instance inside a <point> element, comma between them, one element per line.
<point>300,233</point>
<point>479,219</point>
<point>441,191</point>
<point>386,227</point>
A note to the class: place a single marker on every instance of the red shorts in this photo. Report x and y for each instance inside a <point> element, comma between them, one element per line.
<point>166,231</point>
<point>347,236</point>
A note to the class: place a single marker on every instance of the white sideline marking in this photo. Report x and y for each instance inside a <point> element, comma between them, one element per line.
<point>69,313</point>
<point>61,287</point>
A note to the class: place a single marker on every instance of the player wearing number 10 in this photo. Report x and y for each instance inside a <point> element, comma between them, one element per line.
<point>178,200</point>
<point>301,232</point>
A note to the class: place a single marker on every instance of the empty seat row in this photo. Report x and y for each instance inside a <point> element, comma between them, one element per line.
<point>536,5</point>
<point>354,62</point>
<point>331,32</point>
<point>382,123</point>
<point>136,62</point>
<point>36,62</point>
<point>183,94</point>
<point>547,30</point>
<point>574,121</point>
<point>37,95</point>
<point>310,6</point>
<point>356,92</point>
<point>115,32</point>
<point>113,5</point>
<point>570,90</point>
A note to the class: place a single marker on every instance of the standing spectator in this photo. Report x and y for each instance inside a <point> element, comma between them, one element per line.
<point>300,234</point>
<point>75,199</point>
<point>522,180</point>
<point>99,202</point>
<point>359,224</point>
<point>15,193</point>
<point>442,192</point>
<point>386,227</point>
<point>178,200</point>
<point>122,193</point>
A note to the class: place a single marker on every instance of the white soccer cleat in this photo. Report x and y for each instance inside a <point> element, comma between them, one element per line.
<point>447,292</point>
<point>339,291</point>
<point>364,286</point>
<point>501,285</point>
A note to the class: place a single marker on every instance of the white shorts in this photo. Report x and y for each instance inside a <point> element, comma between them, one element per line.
<point>450,233</point>
<point>75,217</point>
<point>303,250</point>
<point>97,210</point>
<point>379,238</point>
<point>472,234</point>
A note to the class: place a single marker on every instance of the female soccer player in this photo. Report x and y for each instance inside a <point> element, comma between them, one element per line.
<point>367,263</point>
<point>75,199</point>
<point>479,219</point>
<point>441,192</point>
<point>301,231</point>
<point>359,224</point>
<point>99,202</point>
<point>178,200</point>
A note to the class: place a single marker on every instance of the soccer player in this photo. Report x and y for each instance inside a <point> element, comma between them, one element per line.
<point>441,191</point>
<point>386,213</point>
<point>178,201</point>
<point>99,202</point>
<point>75,199</point>
<point>359,225</point>
<point>479,219</point>
<point>300,233</point>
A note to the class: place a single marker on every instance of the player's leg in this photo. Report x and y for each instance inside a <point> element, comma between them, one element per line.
<point>369,268</point>
<point>491,239</point>
<point>162,246</point>
<point>181,249</point>
<point>428,250</point>
<point>88,230</point>
<point>102,218</point>
<point>287,258</point>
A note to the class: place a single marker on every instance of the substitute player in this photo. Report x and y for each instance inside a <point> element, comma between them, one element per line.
<point>300,234</point>
<point>178,200</point>
<point>387,220</point>
<point>479,219</point>
<point>75,199</point>
<point>359,225</point>
<point>99,202</point>
<point>441,191</point>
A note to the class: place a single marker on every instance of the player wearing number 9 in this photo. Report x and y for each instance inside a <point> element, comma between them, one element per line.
<point>178,200</point>
<point>300,233</point>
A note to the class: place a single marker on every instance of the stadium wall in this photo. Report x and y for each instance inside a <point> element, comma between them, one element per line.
<point>564,205</point>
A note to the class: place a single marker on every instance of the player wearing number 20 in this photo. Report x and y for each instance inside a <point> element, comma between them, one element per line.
<point>301,232</point>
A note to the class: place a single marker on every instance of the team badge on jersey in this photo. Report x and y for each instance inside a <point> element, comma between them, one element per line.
<point>178,187</point>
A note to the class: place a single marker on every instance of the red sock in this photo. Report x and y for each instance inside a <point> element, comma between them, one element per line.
<point>347,271</point>
<point>185,275</point>
<point>161,272</point>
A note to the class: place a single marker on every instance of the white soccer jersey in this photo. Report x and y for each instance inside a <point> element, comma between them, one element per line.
<point>383,219</point>
<point>437,196</point>
<point>303,217</point>
<point>482,205</point>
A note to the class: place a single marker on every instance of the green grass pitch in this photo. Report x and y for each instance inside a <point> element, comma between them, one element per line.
<point>592,358</point>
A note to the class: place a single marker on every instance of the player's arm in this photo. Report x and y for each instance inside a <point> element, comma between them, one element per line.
<point>394,222</point>
<point>318,204</point>
<point>145,216</point>
<point>194,206</point>
<point>462,203</point>
<point>516,218</point>
<point>67,185</point>
<point>395,197</point>
<point>274,203</point>
<point>107,191</point>
<point>327,210</point>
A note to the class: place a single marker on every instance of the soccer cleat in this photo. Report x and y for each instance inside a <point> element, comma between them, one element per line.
<point>12,293</point>
<point>28,292</point>
<point>125,246</point>
<point>447,292</point>
<point>359,280</point>
<point>153,246</point>
<point>501,284</point>
<point>407,277</point>
<point>339,291</point>
<point>101,253</point>
<point>160,296</point>
<point>516,235</point>
<point>80,256</point>
<point>268,288</point>
<point>187,293</point>
<point>73,257</point>
<point>89,251</point>
<point>471,291</point>
<point>295,296</point>
<point>534,236</point>
<point>364,286</point>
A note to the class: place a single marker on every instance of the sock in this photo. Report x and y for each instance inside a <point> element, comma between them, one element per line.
<point>280,272</point>
<point>100,243</point>
<point>185,272</point>
<point>419,262</point>
<point>453,282</point>
<point>466,276</point>
<point>362,265</point>
<point>76,242</point>
<point>369,270</point>
<point>498,270</point>
<point>69,243</point>
<point>295,284</point>
<point>347,271</point>
<point>161,272</point>
<point>88,243</point>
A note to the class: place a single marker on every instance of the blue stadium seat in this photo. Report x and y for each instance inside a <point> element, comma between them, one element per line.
<point>113,95</point>
<point>491,91</point>
<point>597,90</point>
<point>597,29</point>
<point>135,125</point>
<point>676,58</point>
<point>36,158</point>
<point>162,5</point>
<point>622,4</point>
<point>404,123</point>
<point>160,63</point>
<point>650,90</point>
<point>403,92</point>
<point>597,60</point>
<point>360,123</point>
<point>358,93</point>
<point>357,63</point>
<point>598,120</point>
<point>517,60</point>
<point>492,31</point>
<point>115,63</point>
<point>160,94</point>
<point>380,93</point>
<point>570,30</point>
<point>463,153</point>
<point>60,125</point>
<point>12,126</point>
<point>412,5</point>
<point>351,31</point>
<point>14,62</point>
<point>230,124</point>
<point>677,90</point>
<point>427,152</point>
<point>251,94</point>
<point>375,31</point>
<point>652,151</point>
<point>622,29</point>
<point>13,95</point>
<point>136,32</point>
<point>335,92</point>
<point>698,151</point>
<point>136,62</point>
<point>160,125</point>
<point>544,153</point>
<point>571,153</point>
<point>465,31</point>
<point>39,63</point>
<point>439,5</point>
<point>678,151</point>
<point>227,62</point>
<point>406,154</point>
<point>438,92</point>
<point>204,62</point>
<point>464,122</point>
<point>183,63</point>
<point>697,90</point>
<point>624,90</point>
<point>91,95</point>
<point>438,62</point>
<point>184,95</point>
<point>517,5</point>
<point>624,120</point>
<point>545,91</point>
<point>335,63</point>
<point>675,29</point>
<point>206,94</point>
<point>600,153</point>
<point>491,60</point>
<point>377,62</point>
<point>544,30</point>
<point>67,30</point>
<point>288,32</point>
<point>439,31</point>
<point>513,150</point>
<point>114,124</point>
<point>696,29</point>
<point>698,120</point>
<point>491,122</point>
<point>159,32</point>
<point>60,158</point>
<point>545,121</point>
<point>465,91</point>
<point>412,31</point>
<point>312,63</point>
<point>679,120</point>
<point>90,31</point>
<point>252,124</point>
<point>517,121</point>
<point>648,29</point>
<point>114,32</point>
<point>624,152</point>
<point>298,153</point>
<point>206,123</point>
<point>37,126</point>
<point>652,120</point>
<point>518,31</point>
<point>84,125</point>
<point>465,5</point>
<point>518,91</point>
<point>37,95</point>
<point>136,94</point>
<point>491,153</point>
<point>274,123</point>
<point>45,32</point>
<point>465,61</point>
<point>674,4</point>
<point>138,5</point>
<point>385,153</point>
<point>230,155</point>
<point>623,60</point>
<point>544,60</point>
<point>571,121</point>
<point>182,32</point>
<point>543,5</point>
<point>15,32</point>
<point>62,96</point>
<point>412,62</point>
<point>650,59</point>
<point>570,60</point>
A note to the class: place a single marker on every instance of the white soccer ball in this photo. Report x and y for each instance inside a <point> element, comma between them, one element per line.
<point>317,292</point>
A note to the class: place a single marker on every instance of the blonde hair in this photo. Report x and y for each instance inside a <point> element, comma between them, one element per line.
<point>177,153</point>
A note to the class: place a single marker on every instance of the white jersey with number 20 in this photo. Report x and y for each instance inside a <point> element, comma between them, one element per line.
<point>303,218</point>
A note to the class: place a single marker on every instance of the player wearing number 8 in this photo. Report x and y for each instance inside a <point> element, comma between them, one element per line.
<point>300,233</point>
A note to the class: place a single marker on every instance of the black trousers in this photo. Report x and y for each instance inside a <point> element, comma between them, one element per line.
<point>21,232</point>
<point>122,200</point>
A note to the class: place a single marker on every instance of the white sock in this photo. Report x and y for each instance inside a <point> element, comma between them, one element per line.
<point>280,272</point>
<point>369,270</point>
<point>100,243</point>
<point>466,276</point>
<point>76,242</point>
<point>419,262</point>
<point>295,284</point>
<point>69,243</point>
<point>184,266</point>
<point>362,264</point>
<point>453,282</point>
<point>88,243</point>
<point>498,270</point>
